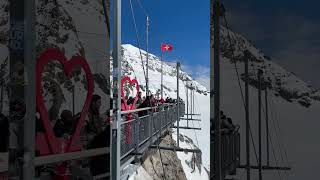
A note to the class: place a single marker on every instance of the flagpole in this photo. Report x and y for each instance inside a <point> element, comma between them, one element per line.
<point>147,39</point>
<point>161,75</point>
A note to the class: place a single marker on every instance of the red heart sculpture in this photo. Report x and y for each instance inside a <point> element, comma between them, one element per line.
<point>131,82</point>
<point>130,107</point>
<point>44,59</point>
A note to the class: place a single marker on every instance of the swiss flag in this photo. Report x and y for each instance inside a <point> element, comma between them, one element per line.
<point>166,47</point>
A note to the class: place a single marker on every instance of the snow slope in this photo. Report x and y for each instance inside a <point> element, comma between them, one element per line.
<point>293,111</point>
<point>132,66</point>
<point>198,172</point>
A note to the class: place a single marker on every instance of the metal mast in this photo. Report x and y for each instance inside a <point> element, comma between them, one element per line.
<point>115,133</point>
<point>267,125</point>
<point>259,96</point>
<point>147,49</point>
<point>178,103</point>
<point>247,114</point>
<point>161,76</point>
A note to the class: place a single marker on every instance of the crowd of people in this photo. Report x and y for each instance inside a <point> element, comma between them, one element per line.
<point>227,124</point>
<point>96,131</point>
<point>147,101</point>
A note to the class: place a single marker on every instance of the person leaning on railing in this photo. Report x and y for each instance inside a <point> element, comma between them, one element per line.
<point>144,104</point>
<point>227,125</point>
<point>94,121</point>
<point>100,164</point>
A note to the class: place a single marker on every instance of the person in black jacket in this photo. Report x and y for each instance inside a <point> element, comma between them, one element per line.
<point>100,164</point>
<point>64,125</point>
<point>146,103</point>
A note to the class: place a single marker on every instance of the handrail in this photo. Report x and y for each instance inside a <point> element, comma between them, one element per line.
<point>146,108</point>
<point>55,158</point>
<point>136,110</point>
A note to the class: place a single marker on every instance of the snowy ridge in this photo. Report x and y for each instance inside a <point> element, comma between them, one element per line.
<point>293,111</point>
<point>133,67</point>
<point>285,84</point>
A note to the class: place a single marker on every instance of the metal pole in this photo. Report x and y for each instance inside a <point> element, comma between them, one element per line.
<point>147,48</point>
<point>22,89</point>
<point>30,64</point>
<point>193,112</point>
<point>107,74</point>
<point>187,106</point>
<point>216,70</point>
<point>259,96</point>
<point>115,133</point>
<point>267,125</point>
<point>191,102</point>
<point>178,103</point>
<point>161,78</point>
<point>247,114</point>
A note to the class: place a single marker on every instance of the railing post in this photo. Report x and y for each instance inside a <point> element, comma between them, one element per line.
<point>151,123</point>
<point>136,134</point>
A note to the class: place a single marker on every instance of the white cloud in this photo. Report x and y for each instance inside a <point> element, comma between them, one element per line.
<point>200,73</point>
<point>204,80</point>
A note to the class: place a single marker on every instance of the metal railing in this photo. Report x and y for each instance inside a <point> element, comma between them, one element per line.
<point>230,151</point>
<point>138,133</point>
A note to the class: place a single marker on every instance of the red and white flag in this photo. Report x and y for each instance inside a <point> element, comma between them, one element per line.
<point>166,47</point>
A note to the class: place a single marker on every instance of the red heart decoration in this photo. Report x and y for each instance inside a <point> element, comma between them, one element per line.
<point>44,59</point>
<point>131,82</point>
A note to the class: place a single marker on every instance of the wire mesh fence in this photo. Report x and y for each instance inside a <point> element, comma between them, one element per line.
<point>137,130</point>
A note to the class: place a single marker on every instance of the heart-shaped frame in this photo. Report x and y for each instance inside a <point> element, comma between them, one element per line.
<point>131,82</point>
<point>46,57</point>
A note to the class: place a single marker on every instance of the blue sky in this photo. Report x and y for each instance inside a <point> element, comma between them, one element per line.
<point>184,24</point>
<point>288,31</point>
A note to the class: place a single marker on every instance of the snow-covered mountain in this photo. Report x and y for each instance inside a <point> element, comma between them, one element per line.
<point>132,67</point>
<point>284,83</point>
<point>293,109</point>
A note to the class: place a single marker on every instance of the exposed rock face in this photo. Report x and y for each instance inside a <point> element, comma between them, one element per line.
<point>167,166</point>
<point>196,159</point>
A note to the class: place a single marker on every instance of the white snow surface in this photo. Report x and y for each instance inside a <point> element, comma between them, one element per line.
<point>293,127</point>
<point>198,174</point>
